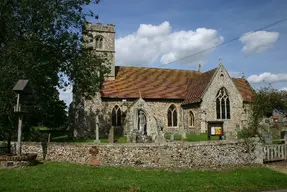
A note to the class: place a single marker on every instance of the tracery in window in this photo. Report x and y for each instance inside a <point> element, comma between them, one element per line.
<point>99,42</point>
<point>116,116</point>
<point>222,104</point>
<point>172,116</point>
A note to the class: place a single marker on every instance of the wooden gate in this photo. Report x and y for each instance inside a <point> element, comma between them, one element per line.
<point>275,152</point>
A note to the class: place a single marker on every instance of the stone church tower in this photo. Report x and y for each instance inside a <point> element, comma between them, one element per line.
<point>101,40</point>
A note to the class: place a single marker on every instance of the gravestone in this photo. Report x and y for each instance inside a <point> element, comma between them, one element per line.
<point>160,138</point>
<point>111,138</point>
<point>227,135</point>
<point>171,137</point>
<point>267,137</point>
<point>183,136</point>
<point>128,138</point>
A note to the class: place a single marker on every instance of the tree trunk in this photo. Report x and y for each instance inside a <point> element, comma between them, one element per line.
<point>9,144</point>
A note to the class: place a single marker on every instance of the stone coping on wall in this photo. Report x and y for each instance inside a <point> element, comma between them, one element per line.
<point>185,143</point>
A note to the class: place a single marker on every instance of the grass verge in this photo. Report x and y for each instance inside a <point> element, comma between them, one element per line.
<point>193,137</point>
<point>72,178</point>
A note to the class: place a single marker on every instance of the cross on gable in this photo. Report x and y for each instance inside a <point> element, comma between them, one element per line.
<point>220,60</point>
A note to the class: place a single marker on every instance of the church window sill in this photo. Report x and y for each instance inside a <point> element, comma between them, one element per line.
<point>117,127</point>
<point>223,119</point>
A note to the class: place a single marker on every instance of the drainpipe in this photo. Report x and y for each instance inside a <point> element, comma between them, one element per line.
<point>182,118</point>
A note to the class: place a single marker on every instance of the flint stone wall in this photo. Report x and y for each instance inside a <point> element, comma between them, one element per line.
<point>157,109</point>
<point>15,164</point>
<point>180,155</point>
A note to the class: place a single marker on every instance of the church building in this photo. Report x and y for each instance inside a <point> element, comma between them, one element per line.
<point>152,101</point>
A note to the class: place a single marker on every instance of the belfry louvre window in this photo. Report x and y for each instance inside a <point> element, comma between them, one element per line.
<point>222,104</point>
<point>99,42</point>
<point>172,116</point>
<point>116,116</point>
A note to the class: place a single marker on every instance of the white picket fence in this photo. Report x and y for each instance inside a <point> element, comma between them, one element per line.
<point>275,152</point>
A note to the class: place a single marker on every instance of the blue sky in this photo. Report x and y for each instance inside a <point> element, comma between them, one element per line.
<point>151,33</point>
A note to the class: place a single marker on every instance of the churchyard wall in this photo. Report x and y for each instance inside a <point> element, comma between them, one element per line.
<point>177,154</point>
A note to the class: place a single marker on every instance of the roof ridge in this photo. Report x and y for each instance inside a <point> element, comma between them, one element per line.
<point>157,68</point>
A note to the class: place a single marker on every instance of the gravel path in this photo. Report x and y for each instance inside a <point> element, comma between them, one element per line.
<point>278,166</point>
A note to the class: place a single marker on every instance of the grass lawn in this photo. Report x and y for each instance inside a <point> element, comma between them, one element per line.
<point>189,137</point>
<point>73,178</point>
<point>193,137</point>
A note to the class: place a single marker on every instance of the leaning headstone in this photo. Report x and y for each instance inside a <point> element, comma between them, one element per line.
<point>183,136</point>
<point>227,135</point>
<point>171,137</point>
<point>111,135</point>
<point>160,137</point>
<point>133,136</point>
<point>128,138</point>
<point>267,137</point>
<point>264,127</point>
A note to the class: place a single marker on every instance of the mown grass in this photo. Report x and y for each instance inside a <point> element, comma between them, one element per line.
<point>73,178</point>
<point>192,137</point>
<point>189,137</point>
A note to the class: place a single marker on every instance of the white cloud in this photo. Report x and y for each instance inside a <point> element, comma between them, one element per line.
<point>258,41</point>
<point>268,78</point>
<point>152,42</point>
<point>66,95</point>
<point>283,89</point>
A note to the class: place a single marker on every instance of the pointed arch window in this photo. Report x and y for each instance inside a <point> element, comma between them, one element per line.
<point>172,116</point>
<point>191,119</point>
<point>116,116</point>
<point>222,104</point>
<point>99,42</point>
<point>90,38</point>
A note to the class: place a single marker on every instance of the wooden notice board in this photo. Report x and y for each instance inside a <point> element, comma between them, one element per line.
<point>215,128</point>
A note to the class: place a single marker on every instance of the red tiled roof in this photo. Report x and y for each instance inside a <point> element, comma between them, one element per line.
<point>151,83</point>
<point>197,87</point>
<point>154,83</point>
<point>244,88</point>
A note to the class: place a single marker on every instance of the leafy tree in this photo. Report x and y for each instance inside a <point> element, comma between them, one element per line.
<point>40,40</point>
<point>265,100</point>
